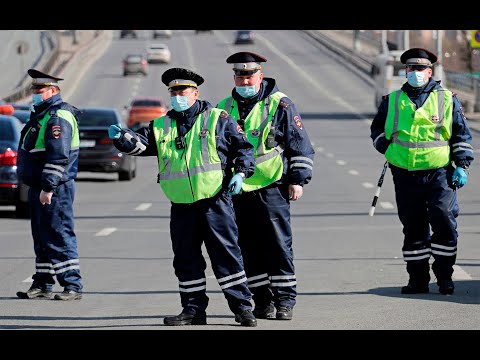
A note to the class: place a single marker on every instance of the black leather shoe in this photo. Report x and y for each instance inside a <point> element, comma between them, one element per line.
<point>264,312</point>
<point>412,288</point>
<point>35,293</point>
<point>246,318</point>
<point>68,295</point>
<point>446,287</point>
<point>186,319</point>
<point>284,313</point>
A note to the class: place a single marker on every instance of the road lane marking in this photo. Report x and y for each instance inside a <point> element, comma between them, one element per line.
<point>341,162</point>
<point>460,274</point>
<point>143,206</point>
<point>28,280</point>
<point>105,231</point>
<point>353,172</point>
<point>330,155</point>
<point>386,205</point>
<point>367,185</point>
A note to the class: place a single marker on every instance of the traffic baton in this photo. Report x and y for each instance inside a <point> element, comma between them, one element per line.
<point>379,186</point>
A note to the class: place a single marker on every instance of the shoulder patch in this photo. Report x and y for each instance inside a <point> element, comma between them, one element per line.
<point>56,131</point>
<point>298,122</point>
<point>284,104</point>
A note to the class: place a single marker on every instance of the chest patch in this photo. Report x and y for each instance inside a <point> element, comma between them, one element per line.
<point>255,133</point>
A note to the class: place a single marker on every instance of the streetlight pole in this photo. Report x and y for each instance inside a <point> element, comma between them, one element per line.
<point>438,35</point>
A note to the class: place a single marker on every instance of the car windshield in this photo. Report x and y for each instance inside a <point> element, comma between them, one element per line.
<point>97,118</point>
<point>134,59</point>
<point>6,131</point>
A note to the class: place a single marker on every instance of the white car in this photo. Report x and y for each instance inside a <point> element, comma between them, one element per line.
<point>162,34</point>
<point>158,53</point>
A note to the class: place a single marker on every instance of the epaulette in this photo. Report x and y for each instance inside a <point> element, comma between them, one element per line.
<point>283,104</point>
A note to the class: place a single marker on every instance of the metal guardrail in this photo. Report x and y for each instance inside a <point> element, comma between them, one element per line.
<point>23,91</point>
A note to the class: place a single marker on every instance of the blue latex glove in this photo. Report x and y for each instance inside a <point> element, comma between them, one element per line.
<point>235,185</point>
<point>459,177</point>
<point>114,131</point>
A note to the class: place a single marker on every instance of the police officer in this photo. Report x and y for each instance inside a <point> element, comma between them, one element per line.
<point>194,144</point>
<point>426,140</point>
<point>284,164</point>
<point>48,163</point>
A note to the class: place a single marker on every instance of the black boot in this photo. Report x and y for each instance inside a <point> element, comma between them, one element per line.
<point>446,286</point>
<point>264,312</point>
<point>186,319</point>
<point>246,318</point>
<point>415,288</point>
<point>284,313</point>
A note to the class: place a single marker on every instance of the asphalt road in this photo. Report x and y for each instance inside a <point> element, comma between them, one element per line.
<point>349,265</point>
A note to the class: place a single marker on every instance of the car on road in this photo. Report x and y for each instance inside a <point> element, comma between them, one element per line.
<point>162,34</point>
<point>244,37</point>
<point>128,33</point>
<point>12,190</point>
<point>144,109</point>
<point>158,53</point>
<point>97,151</point>
<point>135,64</point>
<point>22,115</point>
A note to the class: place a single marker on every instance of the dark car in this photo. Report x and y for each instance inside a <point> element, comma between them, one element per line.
<point>22,115</point>
<point>244,37</point>
<point>97,152</point>
<point>12,190</point>
<point>128,33</point>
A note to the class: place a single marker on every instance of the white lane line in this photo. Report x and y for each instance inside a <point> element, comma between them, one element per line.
<point>105,231</point>
<point>386,205</point>
<point>28,280</point>
<point>330,155</point>
<point>367,185</point>
<point>353,172</point>
<point>460,274</point>
<point>143,206</point>
<point>341,162</point>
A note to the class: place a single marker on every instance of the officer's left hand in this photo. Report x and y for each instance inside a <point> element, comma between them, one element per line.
<point>45,197</point>
<point>295,191</point>
<point>235,184</point>
<point>459,177</point>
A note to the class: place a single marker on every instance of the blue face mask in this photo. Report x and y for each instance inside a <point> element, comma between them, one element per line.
<point>246,91</point>
<point>36,99</point>
<point>179,103</point>
<point>416,78</point>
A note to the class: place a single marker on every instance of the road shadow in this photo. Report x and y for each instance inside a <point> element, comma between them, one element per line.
<point>336,116</point>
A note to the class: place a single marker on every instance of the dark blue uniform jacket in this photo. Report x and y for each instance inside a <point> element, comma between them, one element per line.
<point>289,131</point>
<point>463,154</point>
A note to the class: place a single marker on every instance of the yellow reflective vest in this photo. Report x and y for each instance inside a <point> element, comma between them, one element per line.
<point>419,137</point>
<point>268,160</point>
<point>194,172</point>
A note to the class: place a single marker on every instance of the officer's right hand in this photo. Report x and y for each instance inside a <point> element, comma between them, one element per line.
<point>235,184</point>
<point>114,131</point>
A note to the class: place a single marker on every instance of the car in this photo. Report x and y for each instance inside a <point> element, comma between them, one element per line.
<point>244,37</point>
<point>144,109</point>
<point>161,34</point>
<point>97,151</point>
<point>158,53</point>
<point>128,33</point>
<point>12,190</point>
<point>22,115</point>
<point>18,106</point>
<point>135,64</point>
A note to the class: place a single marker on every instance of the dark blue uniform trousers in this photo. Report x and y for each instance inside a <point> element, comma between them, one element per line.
<point>210,221</point>
<point>428,208</point>
<point>265,237</point>
<point>54,240</point>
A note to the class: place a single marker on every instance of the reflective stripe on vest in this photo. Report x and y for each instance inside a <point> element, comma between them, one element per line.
<point>419,136</point>
<point>194,172</point>
<point>64,114</point>
<point>268,162</point>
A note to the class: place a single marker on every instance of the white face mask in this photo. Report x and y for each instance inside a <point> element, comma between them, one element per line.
<point>416,78</point>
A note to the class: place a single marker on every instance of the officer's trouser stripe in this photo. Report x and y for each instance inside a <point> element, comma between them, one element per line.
<point>184,286</point>
<point>44,268</point>
<point>231,280</point>
<point>409,255</point>
<point>258,280</point>
<point>71,267</point>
